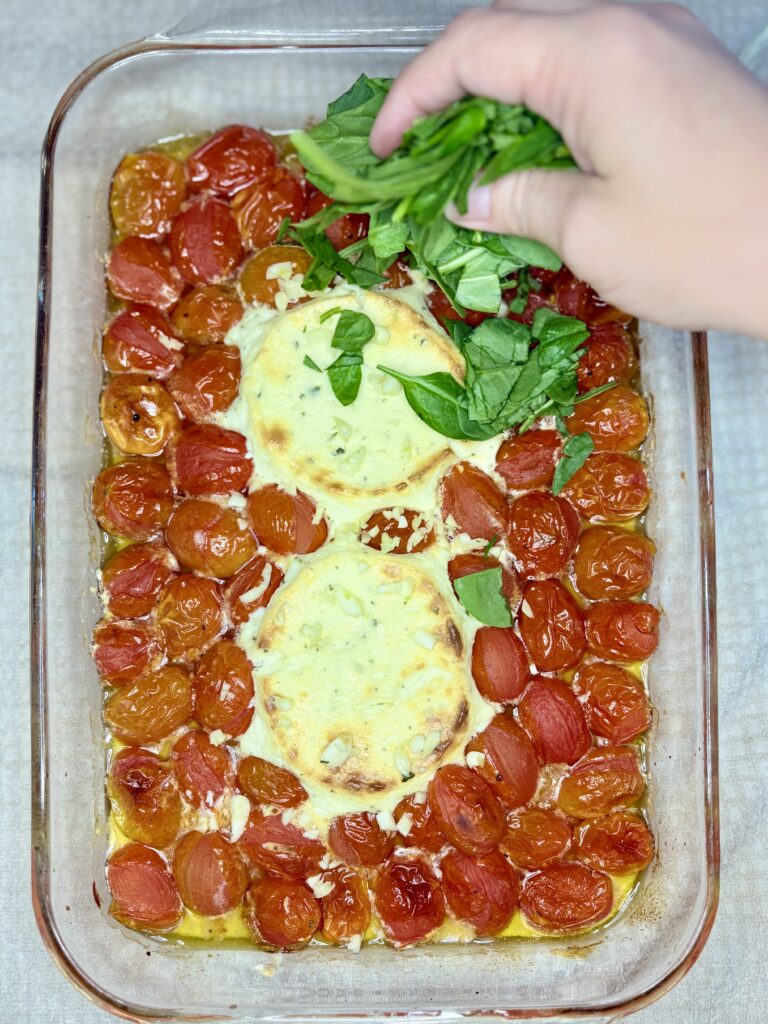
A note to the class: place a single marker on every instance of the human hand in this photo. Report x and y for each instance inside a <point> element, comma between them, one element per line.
<point>668,215</point>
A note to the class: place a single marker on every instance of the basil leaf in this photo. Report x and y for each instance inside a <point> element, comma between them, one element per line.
<point>487,549</point>
<point>480,593</point>
<point>595,391</point>
<point>353,331</point>
<point>310,362</point>
<point>440,401</point>
<point>345,375</point>
<point>576,451</point>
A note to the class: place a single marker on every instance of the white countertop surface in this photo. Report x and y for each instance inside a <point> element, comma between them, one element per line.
<point>43,46</point>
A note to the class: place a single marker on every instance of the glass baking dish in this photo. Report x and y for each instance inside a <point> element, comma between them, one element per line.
<point>276,65</point>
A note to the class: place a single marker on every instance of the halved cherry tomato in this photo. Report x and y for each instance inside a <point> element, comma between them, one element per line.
<point>261,208</point>
<point>349,228</point>
<point>279,849</point>
<point>206,459</point>
<point>609,486</point>
<point>618,843</point>
<point>606,357</point>
<point>528,460</point>
<point>442,310</point>
<point>358,840</point>
<point>623,630</point>
<point>552,626</point>
<point>614,701</point>
<point>204,771</point>
<point>611,562</point>
<point>267,783</point>
<point>133,578</point>
<point>474,502</point>
<point>211,539</point>
<point>605,778</point>
<point>408,529</point>
<point>282,913</point>
<point>483,891</point>
<point>543,532</point>
<point>347,908</point>
<point>125,650</point>
<point>138,414</point>
<point>566,896</point>
<point>144,894</point>
<point>536,837</point>
<point>499,664</point>
<point>206,382</point>
<point>133,499</point>
<point>204,241</point>
<point>153,707</point>
<point>230,159</point>
<point>554,719</point>
<point>286,523</point>
<point>409,899</point>
<point>189,616</point>
<point>139,271</point>
<point>146,194</point>
<point>424,832</point>
<point>616,420</point>
<point>511,767</point>
<point>145,797</point>
<point>397,275</point>
<point>209,872</point>
<point>251,588</point>
<point>256,286</point>
<point>223,689</point>
<point>466,809</point>
<point>466,565</point>
<point>140,340</point>
<point>207,313</point>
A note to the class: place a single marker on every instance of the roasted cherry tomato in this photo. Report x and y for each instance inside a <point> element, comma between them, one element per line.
<point>610,485</point>
<point>279,849</point>
<point>211,539</point>
<point>606,357</point>
<point>206,382</point>
<point>207,313</point>
<point>407,530</point>
<point>259,284</point>
<point>424,832</point>
<point>618,843</point>
<point>133,578</point>
<point>534,300</point>
<point>616,420</point>
<point>145,797</point>
<point>466,565</point>
<point>551,625</point>
<point>140,340</point>
<point>611,562</point>
<point>614,701</point>
<point>261,208</point>
<point>536,837</point>
<point>223,689</point>
<point>139,271</point>
<point>555,721</point>
<point>604,779</point>
<point>528,460</point>
<point>206,459</point>
<point>346,908</point>
<point>472,501</point>
<point>146,194</point>
<point>204,241</point>
<point>346,230</point>
<point>204,771</point>
<point>510,767</point>
<point>152,708</point>
<point>499,664</point>
<point>397,275</point>
<point>358,840</point>
<point>623,630</point>
<point>230,159</point>
<point>281,913</point>
<point>144,894</point>
<point>251,588</point>
<point>286,523</point>
<point>466,809</point>
<point>138,414</point>
<point>409,899</point>
<point>577,298</point>
<point>133,499</point>
<point>210,873</point>
<point>125,650</point>
<point>189,616</point>
<point>483,891</point>
<point>566,896</point>
<point>442,310</point>
<point>543,531</point>
<point>267,783</point>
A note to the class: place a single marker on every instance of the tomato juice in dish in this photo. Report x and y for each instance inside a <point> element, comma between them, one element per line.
<point>363,681</point>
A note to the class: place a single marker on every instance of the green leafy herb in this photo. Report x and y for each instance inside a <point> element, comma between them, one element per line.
<point>330,312</point>
<point>487,549</point>
<point>353,331</point>
<point>310,362</point>
<point>441,402</point>
<point>576,451</point>
<point>346,375</point>
<point>282,230</point>
<point>480,593</point>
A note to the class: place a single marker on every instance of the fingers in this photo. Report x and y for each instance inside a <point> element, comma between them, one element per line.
<point>546,6</point>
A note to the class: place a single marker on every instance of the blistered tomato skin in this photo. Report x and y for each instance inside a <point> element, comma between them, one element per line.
<point>139,271</point>
<point>206,382</point>
<point>425,832</point>
<point>499,664</point>
<point>133,499</point>
<point>256,286</point>
<point>543,532</point>
<point>230,159</point>
<point>206,459</point>
<point>285,523</point>
<point>623,631</point>
<point>613,700</point>
<point>466,809</point>
<point>359,841</point>
<point>207,313</point>
<point>472,562</point>
<point>223,689</point>
<point>281,913</point>
<point>189,616</point>
<point>511,766</point>
<point>260,209</point>
<point>138,414</point>
<point>145,797</point>
<point>152,708</point>
<point>267,783</point>
<point>408,899</point>
<point>472,501</point>
<point>528,460</point>
<point>144,894</point>
<point>611,562</point>
<point>278,849</point>
<point>618,843</point>
<point>251,588</point>
<point>610,486</point>
<point>552,626</point>
<point>607,357</point>
<point>204,241</point>
<point>483,891</point>
<point>133,578</point>
<point>209,539</point>
<point>209,872</point>
<point>146,194</point>
<point>536,837</point>
<point>605,779</point>
<point>408,532</point>
<point>204,772</point>
<point>125,650</point>
<point>347,908</point>
<point>566,896</point>
<point>140,340</point>
<point>616,420</point>
<point>554,719</point>
<point>347,229</point>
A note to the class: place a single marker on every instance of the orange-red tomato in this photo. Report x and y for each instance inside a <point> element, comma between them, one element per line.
<point>623,630</point>
<point>397,274</point>
<point>207,313</point>
<point>499,664</point>
<point>614,701</point>
<point>536,837</point>
<point>189,616</point>
<point>125,650</point>
<point>206,459</point>
<point>543,532</point>
<point>604,779</point>
<point>254,283</point>
<point>441,308</point>
<point>511,767</point>
<point>281,913</point>
<point>133,499</point>
<point>139,271</point>
<point>466,809</point>
<point>616,420</point>
<point>230,159</point>
<point>610,485</point>
<point>261,208</point>
<point>358,840</point>
<point>146,194</point>
<point>555,721</point>
<point>211,539</point>
<point>534,301</point>
<point>551,625</point>
<point>618,843</point>
<point>408,899</point>
<point>206,382</point>
<point>611,562</point>
<point>606,357</point>
<point>140,340</point>
<point>144,894</point>
<point>153,707</point>
<point>204,241</point>
<point>577,298</point>
<point>209,872</point>
<point>138,414</point>
<point>528,460</point>
<point>466,565</point>
<point>347,230</point>
<point>267,783</point>
<point>223,689</point>
<point>347,908</point>
<point>483,891</point>
<point>145,797</point>
<point>133,578</point>
<point>285,523</point>
<point>251,588</point>
<point>566,896</point>
<point>425,832</point>
<point>279,849</point>
<point>475,503</point>
<point>204,771</point>
<point>408,529</point>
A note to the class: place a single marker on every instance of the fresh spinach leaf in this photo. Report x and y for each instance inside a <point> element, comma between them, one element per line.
<point>330,312</point>
<point>353,331</point>
<point>310,362</point>
<point>441,402</point>
<point>493,541</point>
<point>575,453</point>
<point>346,376</point>
<point>480,593</point>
